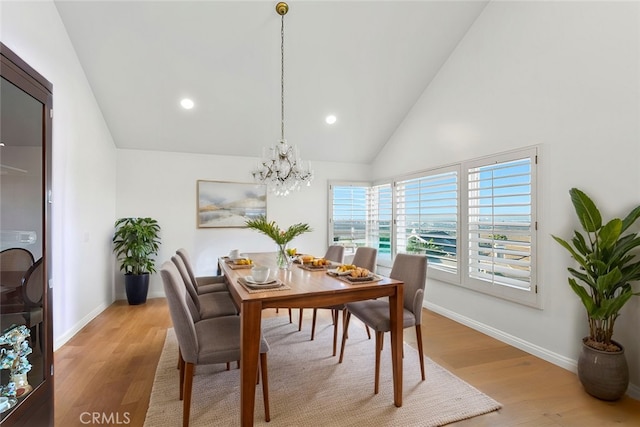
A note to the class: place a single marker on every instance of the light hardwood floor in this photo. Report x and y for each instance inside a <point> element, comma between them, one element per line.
<point>107,371</point>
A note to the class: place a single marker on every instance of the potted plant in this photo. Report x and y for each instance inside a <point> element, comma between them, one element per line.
<point>135,242</point>
<point>603,283</point>
<point>280,237</point>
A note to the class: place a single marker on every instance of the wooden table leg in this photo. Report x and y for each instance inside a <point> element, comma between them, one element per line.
<point>250,318</point>
<point>395,312</point>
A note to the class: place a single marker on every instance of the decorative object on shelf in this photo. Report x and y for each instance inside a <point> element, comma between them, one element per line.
<point>280,237</point>
<point>229,204</point>
<point>606,268</point>
<point>135,242</point>
<point>282,169</point>
<point>15,360</point>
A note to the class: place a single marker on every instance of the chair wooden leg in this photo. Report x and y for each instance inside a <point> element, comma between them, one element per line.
<point>181,367</point>
<point>188,384</point>
<point>290,316</point>
<point>420,353</point>
<point>228,366</point>
<point>179,358</point>
<point>344,336</point>
<point>335,315</point>
<point>265,385</point>
<point>313,324</point>
<point>379,340</point>
<point>368,333</point>
<point>300,320</point>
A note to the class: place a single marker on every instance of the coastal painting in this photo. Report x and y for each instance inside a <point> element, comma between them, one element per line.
<point>229,204</point>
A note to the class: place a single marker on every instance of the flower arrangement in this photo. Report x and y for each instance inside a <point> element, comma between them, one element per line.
<point>279,236</point>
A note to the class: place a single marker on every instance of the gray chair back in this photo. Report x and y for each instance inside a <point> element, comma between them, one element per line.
<point>366,258</point>
<point>335,253</point>
<point>412,270</point>
<point>180,316</point>
<point>193,302</point>
<point>182,253</point>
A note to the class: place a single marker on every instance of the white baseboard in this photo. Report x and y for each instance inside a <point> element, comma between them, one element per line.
<point>557,359</point>
<point>60,341</point>
<point>156,294</point>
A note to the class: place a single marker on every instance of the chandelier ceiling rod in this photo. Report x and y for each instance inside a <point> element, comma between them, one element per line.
<point>282,8</point>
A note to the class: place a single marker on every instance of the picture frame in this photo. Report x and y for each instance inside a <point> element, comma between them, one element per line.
<point>223,204</point>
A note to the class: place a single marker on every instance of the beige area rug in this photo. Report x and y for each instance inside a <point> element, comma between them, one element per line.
<point>308,387</point>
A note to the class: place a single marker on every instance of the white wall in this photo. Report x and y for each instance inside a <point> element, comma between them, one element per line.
<point>162,185</point>
<point>83,167</point>
<point>565,75</point>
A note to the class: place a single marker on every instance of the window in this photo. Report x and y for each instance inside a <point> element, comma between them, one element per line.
<point>501,225</point>
<point>475,221</point>
<point>361,215</point>
<point>349,215</point>
<point>379,231</point>
<point>427,218</point>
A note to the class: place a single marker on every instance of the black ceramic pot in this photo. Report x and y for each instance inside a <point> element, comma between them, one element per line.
<point>137,288</point>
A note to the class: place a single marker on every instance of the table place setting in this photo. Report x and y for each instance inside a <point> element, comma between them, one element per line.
<point>260,280</point>
<point>236,260</point>
<point>311,263</point>
<point>354,275</point>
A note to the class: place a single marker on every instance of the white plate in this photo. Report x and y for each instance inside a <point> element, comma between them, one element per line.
<point>339,273</point>
<point>250,279</point>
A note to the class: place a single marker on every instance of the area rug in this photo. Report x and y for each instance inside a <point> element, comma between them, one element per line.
<point>308,387</point>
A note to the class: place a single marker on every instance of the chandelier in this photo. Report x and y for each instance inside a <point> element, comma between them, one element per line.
<point>281,168</point>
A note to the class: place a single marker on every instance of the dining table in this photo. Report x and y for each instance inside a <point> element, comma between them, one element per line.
<point>301,288</point>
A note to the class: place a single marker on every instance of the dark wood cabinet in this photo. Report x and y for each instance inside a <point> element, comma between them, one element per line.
<point>26,346</point>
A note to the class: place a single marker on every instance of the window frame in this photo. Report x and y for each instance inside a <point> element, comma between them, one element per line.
<point>330,205</point>
<point>436,273</point>
<point>529,297</point>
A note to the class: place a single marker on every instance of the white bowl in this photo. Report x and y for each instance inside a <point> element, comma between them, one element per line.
<point>260,273</point>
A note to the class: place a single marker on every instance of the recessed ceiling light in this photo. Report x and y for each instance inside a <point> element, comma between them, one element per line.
<point>330,119</point>
<point>187,104</point>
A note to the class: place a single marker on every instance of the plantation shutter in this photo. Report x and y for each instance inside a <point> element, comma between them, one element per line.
<point>500,211</point>
<point>427,218</point>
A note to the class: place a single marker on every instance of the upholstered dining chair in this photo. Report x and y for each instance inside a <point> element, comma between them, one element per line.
<point>202,284</point>
<point>412,270</point>
<point>365,257</point>
<point>212,304</point>
<point>204,342</point>
<point>334,253</point>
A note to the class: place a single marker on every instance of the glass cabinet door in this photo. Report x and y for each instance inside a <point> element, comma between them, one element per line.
<point>25,359</point>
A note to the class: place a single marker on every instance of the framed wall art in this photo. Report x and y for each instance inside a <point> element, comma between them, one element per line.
<point>229,204</point>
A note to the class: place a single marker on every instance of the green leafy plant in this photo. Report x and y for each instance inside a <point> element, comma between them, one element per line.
<point>271,229</point>
<point>606,269</point>
<point>135,242</point>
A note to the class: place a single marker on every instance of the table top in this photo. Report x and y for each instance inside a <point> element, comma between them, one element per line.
<point>305,285</point>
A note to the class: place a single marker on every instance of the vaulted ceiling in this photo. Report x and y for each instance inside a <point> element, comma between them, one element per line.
<point>366,62</point>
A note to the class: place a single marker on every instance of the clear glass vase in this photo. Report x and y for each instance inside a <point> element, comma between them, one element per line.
<point>282,257</point>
